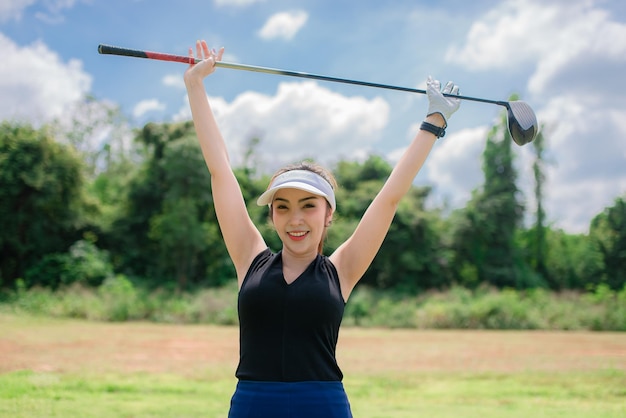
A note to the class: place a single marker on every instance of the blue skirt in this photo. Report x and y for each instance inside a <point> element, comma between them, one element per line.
<point>289,400</point>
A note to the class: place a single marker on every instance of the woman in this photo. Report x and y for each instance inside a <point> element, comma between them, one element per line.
<point>291,303</point>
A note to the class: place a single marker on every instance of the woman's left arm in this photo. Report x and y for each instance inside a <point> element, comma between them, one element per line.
<point>355,255</point>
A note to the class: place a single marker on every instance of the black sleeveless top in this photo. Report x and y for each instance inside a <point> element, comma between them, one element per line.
<point>288,332</point>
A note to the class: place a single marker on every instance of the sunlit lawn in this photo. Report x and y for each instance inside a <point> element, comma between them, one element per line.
<point>62,368</point>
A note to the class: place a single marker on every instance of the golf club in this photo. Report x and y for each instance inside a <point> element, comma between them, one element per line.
<point>522,122</point>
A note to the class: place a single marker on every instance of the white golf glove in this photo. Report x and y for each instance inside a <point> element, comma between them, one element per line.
<point>437,102</point>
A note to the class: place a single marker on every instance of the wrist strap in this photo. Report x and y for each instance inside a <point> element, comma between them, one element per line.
<point>436,130</point>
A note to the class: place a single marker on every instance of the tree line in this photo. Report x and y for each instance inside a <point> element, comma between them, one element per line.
<point>149,216</point>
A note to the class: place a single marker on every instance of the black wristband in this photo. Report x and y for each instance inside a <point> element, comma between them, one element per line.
<point>436,130</point>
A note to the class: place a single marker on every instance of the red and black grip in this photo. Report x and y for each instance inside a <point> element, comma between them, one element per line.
<point>114,50</point>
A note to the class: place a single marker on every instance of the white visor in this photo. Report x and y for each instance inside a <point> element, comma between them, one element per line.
<point>299,179</point>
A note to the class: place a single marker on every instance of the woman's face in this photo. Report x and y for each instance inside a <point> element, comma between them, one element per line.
<point>300,219</point>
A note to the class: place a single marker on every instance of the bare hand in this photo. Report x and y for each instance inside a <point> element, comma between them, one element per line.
<point>208,58</point>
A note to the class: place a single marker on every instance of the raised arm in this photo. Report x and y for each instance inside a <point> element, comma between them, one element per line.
<point>241,236</point>
<point>355,255</point>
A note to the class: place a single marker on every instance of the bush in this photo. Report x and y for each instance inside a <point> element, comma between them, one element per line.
<point>83,263</point>
<point>78,301</point>
<point>489,308</point>
<point>36,300</point>
<point>359,306</point>
<point>609,309</point>
<point>393,313</point>
<point>208,306</point>
<point>118,299</point>
<point>216,306</point>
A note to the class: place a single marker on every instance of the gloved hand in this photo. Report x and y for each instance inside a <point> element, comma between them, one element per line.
<point>437,102</point>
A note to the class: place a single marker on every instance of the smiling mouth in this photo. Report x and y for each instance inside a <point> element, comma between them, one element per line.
<point>297,235</point>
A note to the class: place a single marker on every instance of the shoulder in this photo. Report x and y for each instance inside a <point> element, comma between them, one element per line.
<point>327,263</point>
<point>262,259</point>
<point>328,267</point>
<point>259,264</point>
<point>334,263</point>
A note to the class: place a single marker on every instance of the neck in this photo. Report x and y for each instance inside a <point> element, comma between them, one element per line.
<point>297,262</point>
<point>293,260</point>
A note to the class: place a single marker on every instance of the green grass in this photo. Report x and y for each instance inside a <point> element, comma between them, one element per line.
<point>26,394</point>
<point>486,395</point>
<point>31,394</point>
<point>77,368</point>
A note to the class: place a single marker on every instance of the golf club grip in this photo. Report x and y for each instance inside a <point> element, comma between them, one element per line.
<point>115,50</point>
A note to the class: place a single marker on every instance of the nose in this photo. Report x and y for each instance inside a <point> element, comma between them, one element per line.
<point>295,218</point>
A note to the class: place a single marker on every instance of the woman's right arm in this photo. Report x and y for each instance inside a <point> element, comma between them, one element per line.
<point>243,240</point>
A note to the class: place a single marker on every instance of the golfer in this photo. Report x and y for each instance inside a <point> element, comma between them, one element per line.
<point>291,302</point>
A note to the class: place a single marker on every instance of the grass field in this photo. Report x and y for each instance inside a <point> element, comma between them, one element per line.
<point>66,368</point>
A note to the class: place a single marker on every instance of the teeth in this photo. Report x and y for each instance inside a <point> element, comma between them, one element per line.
<point>297,234</point>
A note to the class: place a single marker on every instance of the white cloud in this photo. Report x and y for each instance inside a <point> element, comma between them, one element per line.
<point>174,80</point>
<point>575,54</point>
<point>35,85</point>
<point>562,40</point>
<point>146,106</point>
<point>283,25</point>
<point>589,169</point>
<point>454,166</point>
<point>50,12</point>
<point>299,121</point>
<point>53,13</point>
<point>12,9</point>
<point>512,33</point>
<point>236,3</point>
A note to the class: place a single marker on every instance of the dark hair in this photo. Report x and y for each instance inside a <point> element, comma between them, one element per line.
<point>317,169</point>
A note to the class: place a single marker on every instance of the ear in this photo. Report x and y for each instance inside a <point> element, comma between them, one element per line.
<point>329,217</point>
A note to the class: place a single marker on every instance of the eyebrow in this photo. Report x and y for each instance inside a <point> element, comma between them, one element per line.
<point>281,199</point>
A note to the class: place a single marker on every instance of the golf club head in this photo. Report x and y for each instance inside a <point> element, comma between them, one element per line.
<point>522,122</point>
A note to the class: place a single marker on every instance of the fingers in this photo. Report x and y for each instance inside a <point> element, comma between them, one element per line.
<point>198,50</point>
<point>191,59</point>
<point>433,84</point>
<point>203,52</point>
<point>441,100</point>
<point>449,88</point>
<point>206,53</point>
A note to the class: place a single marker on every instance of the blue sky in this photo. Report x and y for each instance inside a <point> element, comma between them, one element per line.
<point>566,58</point>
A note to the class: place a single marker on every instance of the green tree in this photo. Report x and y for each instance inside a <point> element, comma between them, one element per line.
<point>608,231</point>
<point>167,231</point>
<point>83,262</point>
<point>572,261</point>
<point>98,131</point>
<point>538,242</point>
<point>42,204</point>
<point>409,259</point>
<point>178,230</point>
<point>132,251</point>
<point>484,235</point>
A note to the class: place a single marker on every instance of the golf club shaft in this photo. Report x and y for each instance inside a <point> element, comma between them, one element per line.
<point>113,50</point>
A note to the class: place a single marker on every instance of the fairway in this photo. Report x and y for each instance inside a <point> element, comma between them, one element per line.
<point>71,368</point>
